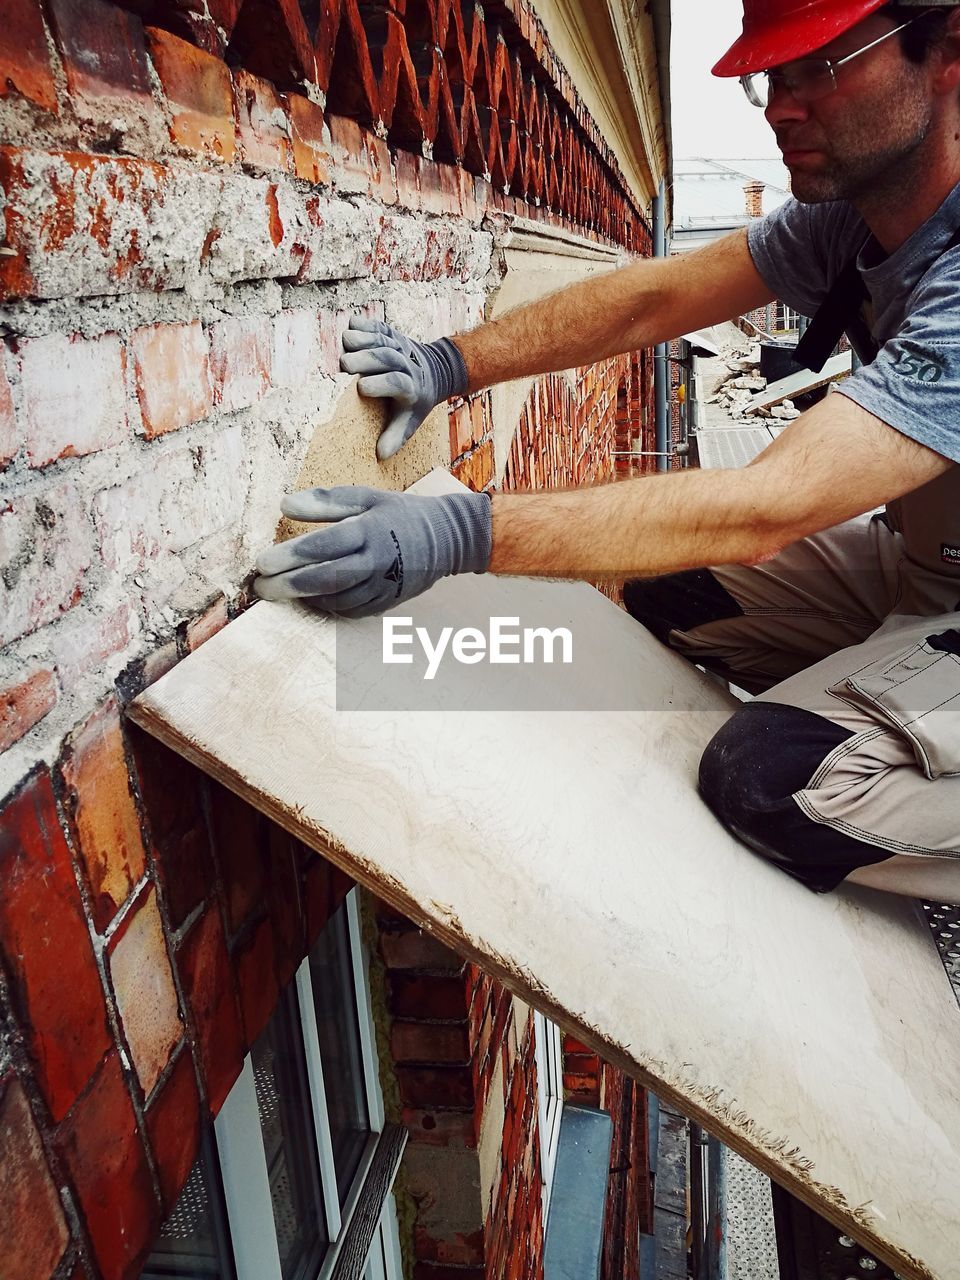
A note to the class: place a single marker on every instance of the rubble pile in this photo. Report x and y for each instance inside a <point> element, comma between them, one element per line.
<point>738,384</point>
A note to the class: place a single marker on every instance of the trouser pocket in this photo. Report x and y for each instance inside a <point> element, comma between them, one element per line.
<point>916,693</point>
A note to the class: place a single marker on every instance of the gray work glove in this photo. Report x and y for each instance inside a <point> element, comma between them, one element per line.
<point>417,376</point>
<point>385,548</point>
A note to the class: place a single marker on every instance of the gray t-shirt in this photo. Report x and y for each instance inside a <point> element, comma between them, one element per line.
<point>914,383</point>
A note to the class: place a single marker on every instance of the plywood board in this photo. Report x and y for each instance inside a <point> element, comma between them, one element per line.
<point>568,853</point>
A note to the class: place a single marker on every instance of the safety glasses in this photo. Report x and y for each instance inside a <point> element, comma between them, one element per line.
<point>807,79</point>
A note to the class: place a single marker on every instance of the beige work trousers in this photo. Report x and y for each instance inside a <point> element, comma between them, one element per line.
<point>843,625</point>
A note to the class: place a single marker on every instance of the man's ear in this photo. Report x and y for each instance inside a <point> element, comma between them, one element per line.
<point>946,77</point>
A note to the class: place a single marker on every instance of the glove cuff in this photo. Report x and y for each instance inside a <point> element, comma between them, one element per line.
<point>468,532</point>
<point>452,372</point>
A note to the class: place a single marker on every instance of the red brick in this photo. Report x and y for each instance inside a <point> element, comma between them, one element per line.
<point>436,1086</point>
<point>408,180</point>
<point>30,1208</point>
<point>199,92</point>
<point>172,376</point>
<point>73,396</point>
<point>353,167</point>
<point>100,1144</point>
<point>143,982</point>
<point>476,469</point>
<point>240,360</point>
<point>95,770</point>
<point>285,904</point>
<point>208,988</point>
<point>173,1124</point>
<point>25,704</point>
<point>239,845</point>
<point>437,1271</point>
<point>264,142</point>
<point>24,55</point>
<point>311,159</point>
<point>212,620</point>
<point>257,980</point>
<point>412,948</point>
<point>383,179</point>
<point>429,1128</point>
<point>424,996</point>
<point>429,1042</point>
<point>456,1248</point>
<point>44,935</point>
<point>103,47</point>
<point>325,887</point>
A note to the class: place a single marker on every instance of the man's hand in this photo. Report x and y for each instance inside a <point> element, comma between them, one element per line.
<point>417,376</point>
<point>384,548</point>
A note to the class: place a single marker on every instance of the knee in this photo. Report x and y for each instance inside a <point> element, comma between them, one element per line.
<point>749,773</point>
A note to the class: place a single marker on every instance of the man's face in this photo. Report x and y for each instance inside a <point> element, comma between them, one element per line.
<point>857,138</point>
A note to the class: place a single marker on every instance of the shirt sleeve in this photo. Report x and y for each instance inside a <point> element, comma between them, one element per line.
<point>799,249</point>
<point>914,383</point>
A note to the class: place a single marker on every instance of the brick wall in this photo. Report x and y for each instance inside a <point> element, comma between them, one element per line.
<point>195,196</point>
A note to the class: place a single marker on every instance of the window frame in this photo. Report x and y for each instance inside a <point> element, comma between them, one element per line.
<point>548,1055</point>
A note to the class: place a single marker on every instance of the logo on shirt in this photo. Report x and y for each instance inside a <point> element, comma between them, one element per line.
<point>918,362</point>
<point>950,555</point>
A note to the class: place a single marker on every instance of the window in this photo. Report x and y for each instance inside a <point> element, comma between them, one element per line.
<point>548,1049</point>
<point>302,1160</point>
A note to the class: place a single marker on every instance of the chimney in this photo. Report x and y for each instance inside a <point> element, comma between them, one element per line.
<point>754,193</point>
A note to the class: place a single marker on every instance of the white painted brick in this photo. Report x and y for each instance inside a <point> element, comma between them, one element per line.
<point>86,640</point>
<point>241,355</point>
<point>46,548</point>
<point>339,240</point>
<point>296,347</point>
<point>74,396</point>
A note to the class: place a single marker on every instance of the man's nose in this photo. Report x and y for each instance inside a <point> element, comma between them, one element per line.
<point>783,107</point>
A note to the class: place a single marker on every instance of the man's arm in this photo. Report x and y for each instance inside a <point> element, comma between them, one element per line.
<point>625,310</point>
<point>835,462</point>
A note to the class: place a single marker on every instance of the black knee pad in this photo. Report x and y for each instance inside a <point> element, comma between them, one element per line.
<point>748,774</point>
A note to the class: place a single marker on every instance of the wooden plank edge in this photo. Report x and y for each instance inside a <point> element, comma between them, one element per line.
<point>772,1156</point>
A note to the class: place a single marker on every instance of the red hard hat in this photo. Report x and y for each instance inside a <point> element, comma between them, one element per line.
<point>777,31</point>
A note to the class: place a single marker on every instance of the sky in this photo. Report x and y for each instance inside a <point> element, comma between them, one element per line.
<point>711,117</point>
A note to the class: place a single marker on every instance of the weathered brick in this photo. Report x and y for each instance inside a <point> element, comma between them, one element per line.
<point>208,987</point>
<point>172,376</point>
<point>296,347</point>
<point>199,91</point>
<point>311,159</point>
<point>240,360</point>
<point>25,57</point>
<point>432,1128</point>
<point>86,641</point>
<point>173,1124</point>
<point>45,552</point>
<point>100,1144</point>
<point>352,171</point>
<point>200,630</point>
<point>24,704</point>
<point>94,769</point>
<point>176,500</point>
<point>44,935</point>
<point>30,1208</point>
<point>108,76</point>
<point>8,426</point>
<point>263,130</point>
<point>339,241</point>
<point>73,395</point>
<point>143,983</point>
<point>436,1086</point>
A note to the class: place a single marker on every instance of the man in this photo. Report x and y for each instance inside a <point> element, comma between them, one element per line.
<point>846,624</point>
